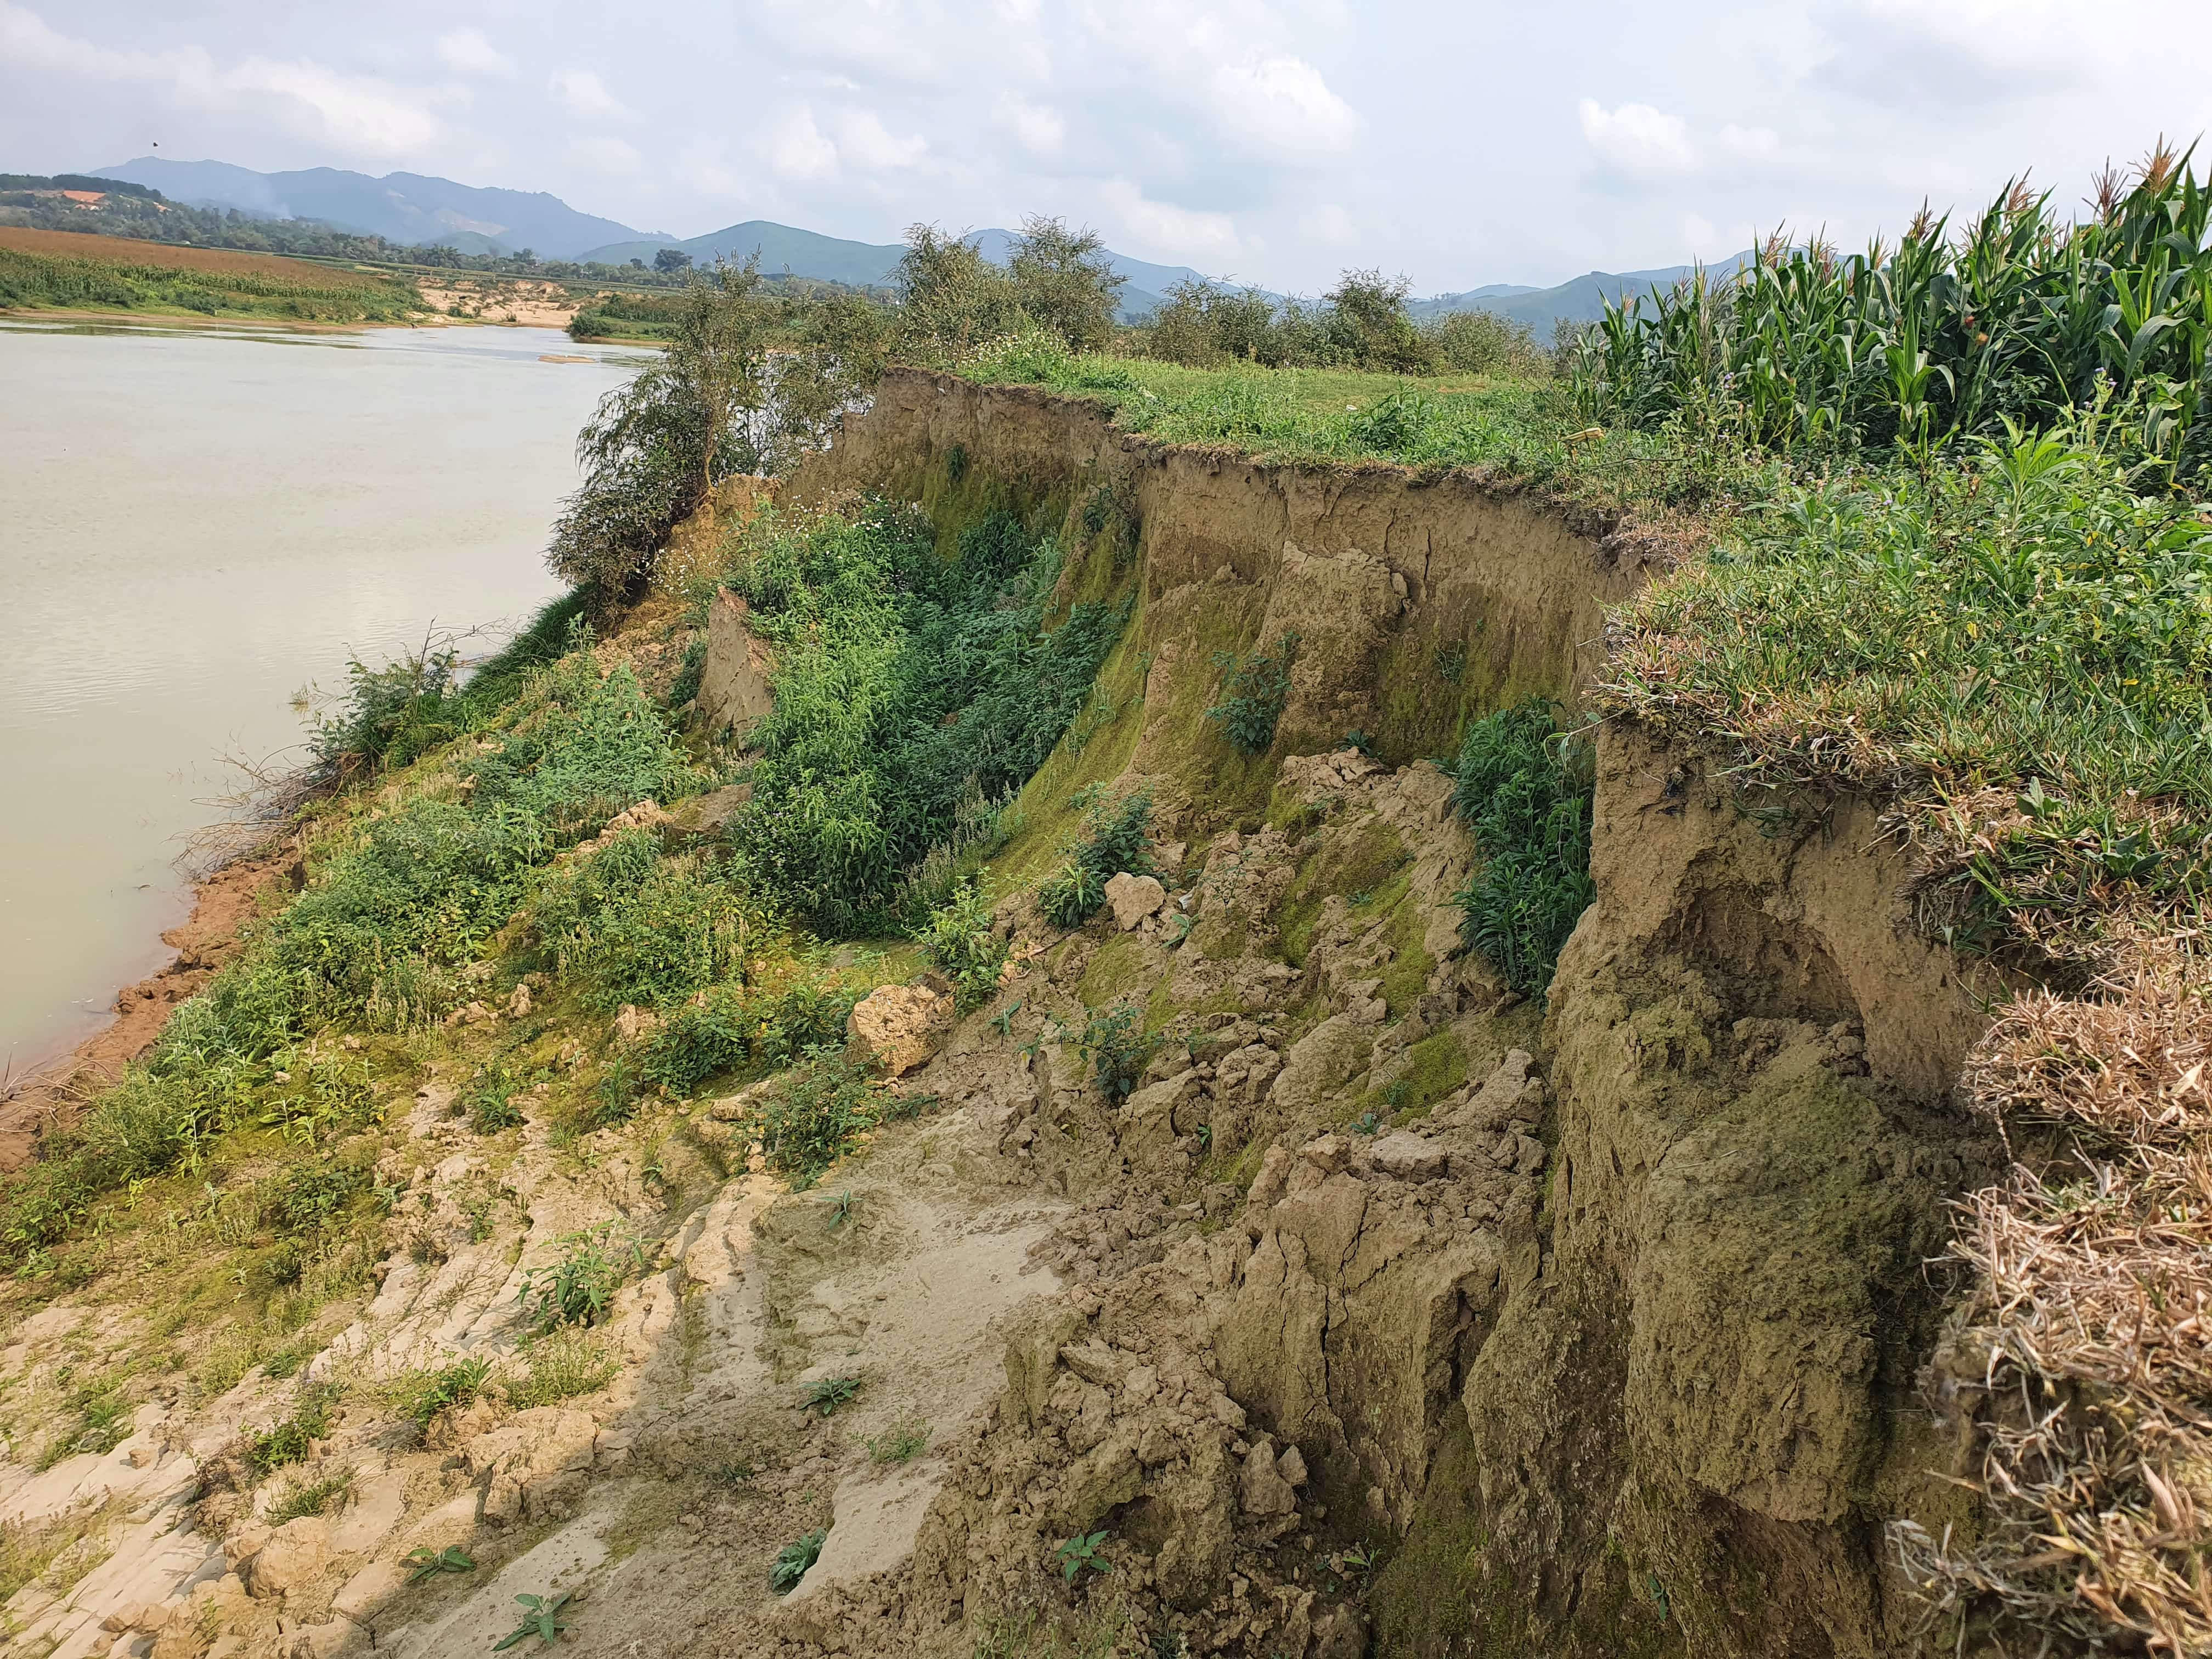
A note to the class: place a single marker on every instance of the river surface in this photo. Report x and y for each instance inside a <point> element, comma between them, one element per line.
<point>195,524</point>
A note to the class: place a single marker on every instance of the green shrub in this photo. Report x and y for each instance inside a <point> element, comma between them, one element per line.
<point>910,692</point>
<point>637,927</point>
<point>813,1114</point>
<point>958,939</point>
<point>1258,687</point>
<point>1116,838</point>
<point>1114,1041</point>
<point>579,1287</point>
<point>734,1027</point>
<point>290,1440</point>
<point>826,1394</point>
<point>310,1196</point>
<point>492,1107</point>
<point>1526,794</point>
<point>793,1559</point>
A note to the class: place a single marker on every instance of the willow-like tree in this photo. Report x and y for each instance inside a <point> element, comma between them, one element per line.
<point>658,445</point>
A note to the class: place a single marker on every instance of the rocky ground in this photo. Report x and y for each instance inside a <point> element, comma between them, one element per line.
<point>1155,1376</point>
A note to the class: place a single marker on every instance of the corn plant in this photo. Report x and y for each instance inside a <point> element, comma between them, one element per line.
<point>2016,316</point>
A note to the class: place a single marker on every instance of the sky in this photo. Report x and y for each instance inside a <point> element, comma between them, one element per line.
<point>1271,141</point>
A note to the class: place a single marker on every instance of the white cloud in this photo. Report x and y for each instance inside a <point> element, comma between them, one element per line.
<point>1038,128</point>
<point>584,95</point>
<point>1164,230</point>
<point>468,51</point>
<point>1327,223</point>
<point>797,147</point>
<point>863,139</point>
<point>359,112</point>
<point>603,153</point>
<point>1281,104</point>
<point>1750,141</point>
<point>1638,139</point>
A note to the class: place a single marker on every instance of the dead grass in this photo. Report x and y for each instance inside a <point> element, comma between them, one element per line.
<point>126,250</point>
<point>2084,1360</point>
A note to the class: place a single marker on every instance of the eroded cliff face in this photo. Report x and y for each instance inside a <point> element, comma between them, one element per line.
<point>1599,1337</point>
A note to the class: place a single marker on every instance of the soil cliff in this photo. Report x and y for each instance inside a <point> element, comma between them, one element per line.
<point>1359,1305</point>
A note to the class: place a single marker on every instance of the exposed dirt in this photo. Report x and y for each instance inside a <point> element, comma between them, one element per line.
<point>517,300</point>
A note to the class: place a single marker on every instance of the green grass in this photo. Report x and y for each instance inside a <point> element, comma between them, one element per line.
<point>1522,432</point>
<point>2017,642</point>
<point>1525,792</point>
<point>562,1365</point>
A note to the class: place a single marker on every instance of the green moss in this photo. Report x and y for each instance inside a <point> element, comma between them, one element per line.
<point>1117,968</point>
<point>1356,861</point>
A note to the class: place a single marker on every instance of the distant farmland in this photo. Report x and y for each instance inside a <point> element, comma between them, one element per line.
<point>72,271</point>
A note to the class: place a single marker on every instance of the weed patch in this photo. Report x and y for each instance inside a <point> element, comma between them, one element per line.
<point>1525,792</point>
<point>560,1365</point>
<point>1116,837</point>
<point>1256,688</point>
<point>579,1286</point>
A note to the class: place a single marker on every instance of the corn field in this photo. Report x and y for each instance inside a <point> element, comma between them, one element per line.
<point>2019,318</point>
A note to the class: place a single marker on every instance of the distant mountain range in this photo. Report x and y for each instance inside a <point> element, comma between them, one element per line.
<point>1583,300</point>
<point>409,208</point>
<point>400,207</point>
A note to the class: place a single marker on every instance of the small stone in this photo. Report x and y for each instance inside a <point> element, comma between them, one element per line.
<point>902,1025</point>
<point>1291,1465</point>
<point>1092,1361</point>
<point>1133,898</point>
<point>296,1551</point>
<point>1408,1157</point>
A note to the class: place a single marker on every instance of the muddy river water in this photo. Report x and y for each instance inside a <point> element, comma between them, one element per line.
<point>195,524</point>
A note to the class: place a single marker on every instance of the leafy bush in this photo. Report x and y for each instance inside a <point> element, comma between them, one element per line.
<point>1115,1043</point>
<point>909,692</point>
<point>735,1026</point>
<point>579,1287</point>
<point>1526,794</point>
<point>290,1440</point>
<point>813,1114</point>
<point>639,928</point>
<point>1259,689</point>
<point>1116,838</point>
<point>957,938</point>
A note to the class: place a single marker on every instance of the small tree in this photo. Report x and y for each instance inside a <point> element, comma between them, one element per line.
<point>1367,324</point>
<point>654,448</point>
<point>837,360</point>
<point>951,298</point>
<point>1202,324</point>
<point>670,260</point>
<point>1063,282</point>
